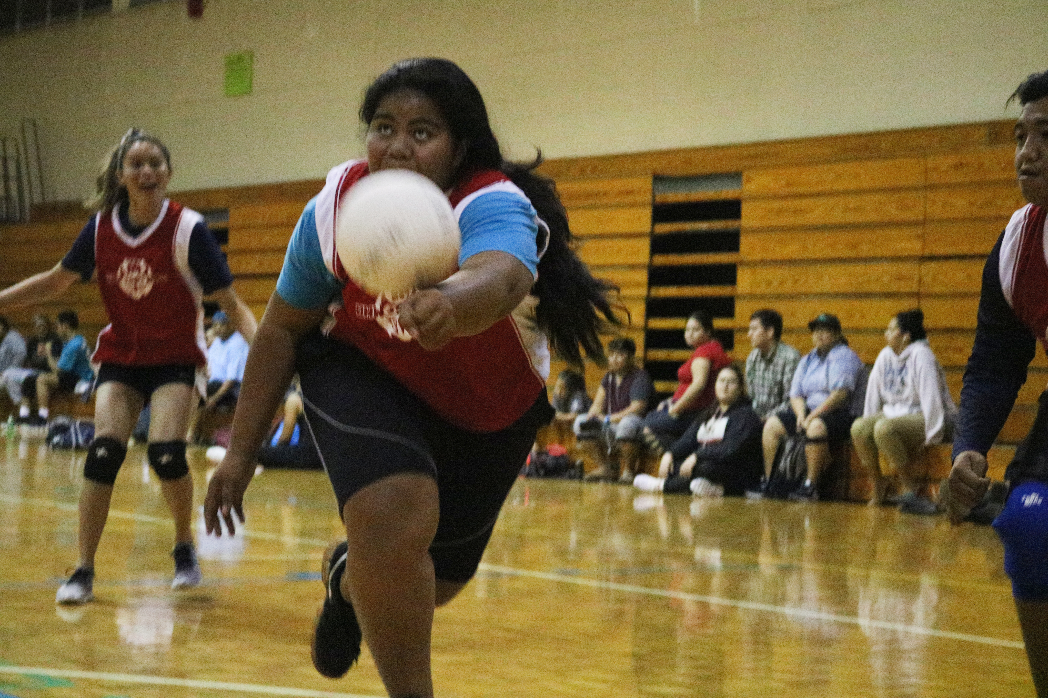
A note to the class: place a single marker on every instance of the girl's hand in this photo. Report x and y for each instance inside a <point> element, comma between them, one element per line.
<point>428,317</point>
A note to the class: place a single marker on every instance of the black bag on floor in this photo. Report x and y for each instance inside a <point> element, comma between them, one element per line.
<point>545,464</point>
<point>790,469</point>
<point>65,432</point>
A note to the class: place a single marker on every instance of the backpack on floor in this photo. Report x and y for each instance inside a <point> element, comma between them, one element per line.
<point>67,433</point>
<point>790,469</point>
<point>552,462</point>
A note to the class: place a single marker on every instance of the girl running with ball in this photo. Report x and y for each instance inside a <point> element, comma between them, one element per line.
<point>424,408</point>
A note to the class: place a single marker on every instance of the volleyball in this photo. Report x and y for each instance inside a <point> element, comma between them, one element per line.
<point>395,231</point>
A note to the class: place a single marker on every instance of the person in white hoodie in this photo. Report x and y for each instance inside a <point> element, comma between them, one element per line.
<point>908,407</point>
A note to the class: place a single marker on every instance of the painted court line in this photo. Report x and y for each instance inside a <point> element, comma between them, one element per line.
<point>181,683</point>
<point>752,606</point>
<point>628,588</point>
<point>143,518</point>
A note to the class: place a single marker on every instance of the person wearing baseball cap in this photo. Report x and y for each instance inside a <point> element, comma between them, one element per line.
<point>826,321</point>
<point>820,397</point>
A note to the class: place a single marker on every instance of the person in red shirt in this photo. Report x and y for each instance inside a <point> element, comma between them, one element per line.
<point>695,379</point>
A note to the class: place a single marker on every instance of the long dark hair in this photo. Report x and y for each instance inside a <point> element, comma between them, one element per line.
<point>574,307</point>
<point>912,322</point>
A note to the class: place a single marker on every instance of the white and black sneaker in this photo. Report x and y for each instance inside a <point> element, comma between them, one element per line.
<point>78,588</point>
<point>187,571</point>
<point>337,636</point>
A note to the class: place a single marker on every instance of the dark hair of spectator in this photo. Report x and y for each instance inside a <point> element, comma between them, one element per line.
<point>622,345</point>
<point>769,318</point>
<point>574,381</point>
<point>912,323</point>
<point>704,319</point>
<point>1033,88</point>
<point>574,307</point>
<point>69,318</point>
<point>5,323</point>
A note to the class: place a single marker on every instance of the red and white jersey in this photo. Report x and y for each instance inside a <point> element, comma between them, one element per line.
<point>151,296</point>
<point>1024,268</point>
<point>482,383</point>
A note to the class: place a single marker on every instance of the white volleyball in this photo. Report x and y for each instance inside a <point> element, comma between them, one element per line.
<point>395,231</point>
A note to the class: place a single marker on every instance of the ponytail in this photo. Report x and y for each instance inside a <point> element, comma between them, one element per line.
<point>574,307</point>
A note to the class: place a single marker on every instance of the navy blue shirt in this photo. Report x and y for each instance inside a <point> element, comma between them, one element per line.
<point>206,258</point>
<point>1001,354</point>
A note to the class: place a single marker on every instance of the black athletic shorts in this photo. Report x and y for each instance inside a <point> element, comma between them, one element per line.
<point>367,426</point>
<point>838,423</point>
<point>67,381</point>
<point>146,379</point>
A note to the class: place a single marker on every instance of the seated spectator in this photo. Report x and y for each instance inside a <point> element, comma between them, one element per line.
<point>72,367</point>
<point>291,445</point>
<point>12,346</point>
<point>908,406</point>
<point>720,453</point>
<point>569,399</point>
<point>226,359</point>
<point>695,378</point>
<point>770,365</point>
<point>613,423</point>
<point>820,397</point>
<point>43,343</point>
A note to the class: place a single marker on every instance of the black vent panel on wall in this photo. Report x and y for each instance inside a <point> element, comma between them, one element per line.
<point>694,258</point>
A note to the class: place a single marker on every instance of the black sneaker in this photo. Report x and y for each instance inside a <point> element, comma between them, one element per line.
<point>336,636</point>
<point>761,490</point>
<point>77,589</point>
<point>805,493</point>
<point>187,569</point>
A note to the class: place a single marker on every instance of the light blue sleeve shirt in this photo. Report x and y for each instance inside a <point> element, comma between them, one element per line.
<point>74,358</point>
<point>304,280</point>
<point>815,377</point>
<point>498,220</point>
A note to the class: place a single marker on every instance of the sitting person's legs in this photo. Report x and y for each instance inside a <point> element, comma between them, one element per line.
<point>775,431</point>
<point>49,383</point>
<point>28,393</point>
<point>592,438</point>
<point>901,441</point>
<point>866,449</point>
<point>628,441</point>
<point>834,426</point>
<point>12,379</point>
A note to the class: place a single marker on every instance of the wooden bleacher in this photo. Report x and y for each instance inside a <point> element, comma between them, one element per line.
<point>860,225</point>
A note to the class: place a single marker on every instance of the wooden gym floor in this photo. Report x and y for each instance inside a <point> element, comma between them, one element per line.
<point>586,590</point>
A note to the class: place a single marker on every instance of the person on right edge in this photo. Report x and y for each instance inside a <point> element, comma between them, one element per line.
<point>1013,317</point>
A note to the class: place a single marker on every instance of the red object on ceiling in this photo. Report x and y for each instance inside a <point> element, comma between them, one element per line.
<point>195,8</point>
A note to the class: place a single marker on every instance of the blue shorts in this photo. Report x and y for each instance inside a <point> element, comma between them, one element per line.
<point>1023,529</point>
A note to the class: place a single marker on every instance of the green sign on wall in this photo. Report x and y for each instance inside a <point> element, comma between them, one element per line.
<point>239,72</point>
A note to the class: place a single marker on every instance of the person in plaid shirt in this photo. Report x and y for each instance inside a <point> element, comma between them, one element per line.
<point>770,366</point>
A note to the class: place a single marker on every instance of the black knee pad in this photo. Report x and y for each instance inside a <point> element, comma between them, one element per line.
<point>168,459</point>
<point>105,455</point>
